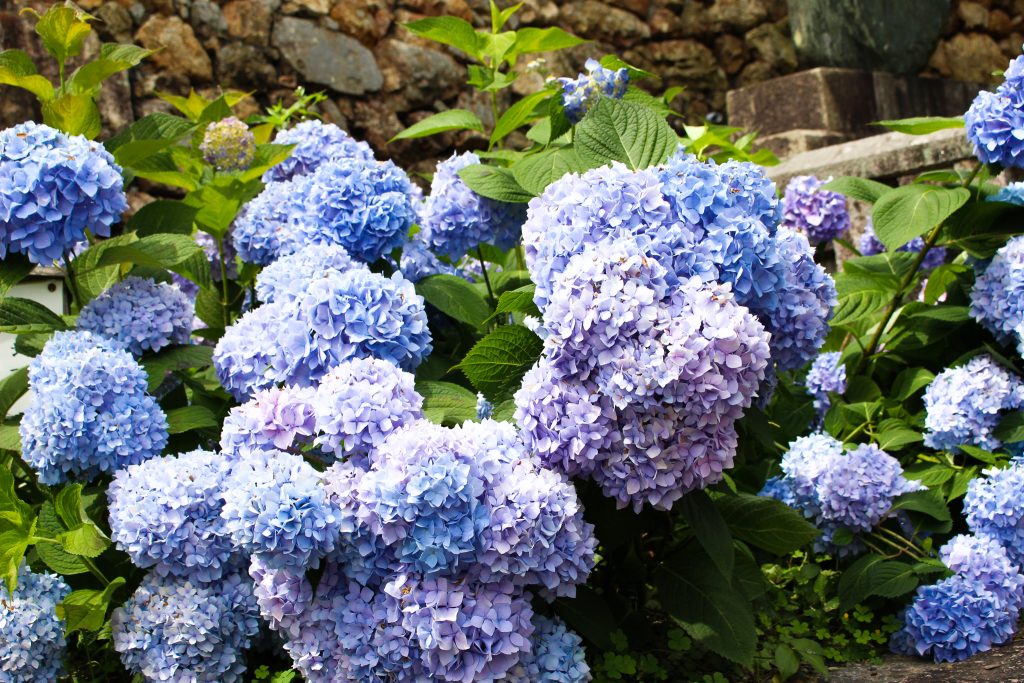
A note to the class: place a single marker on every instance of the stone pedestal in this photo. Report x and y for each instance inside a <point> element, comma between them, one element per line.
<point>825,106</point>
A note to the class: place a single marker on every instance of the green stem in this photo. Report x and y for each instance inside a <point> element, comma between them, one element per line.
<point>522,256</point>
<point>901,548</point>
<point>94,570</point>
<point>487,280</point>
<point>69,276</point>
<point>30,475</point>
<point>223,279</point>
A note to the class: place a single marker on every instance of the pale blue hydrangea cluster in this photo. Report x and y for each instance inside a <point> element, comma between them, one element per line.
<point>819,214</point>
<point>995,121</point>
<point>179,629</point>
<point>419,262</point>
<point>287,278</point>
<point>556,656</point>
<point>141,314</point>
<point>839,489</point>
<point>1013,193</point>
<point>165,513</point>
<point>484,408</point>
<point>54,187</point>
<point>315,143</point>
<point>997,298</point>
<point>90,412</point>
<point>994,507</point>
<point>871,245</point>
<point>430,541</point>
<point>340,315</point>
<point>455,220</point>
<point>581,93</point>
<point>827,375</point>
<point>965,404</point>
<point>32,644</point>
<point>228,145</point>
<point>268,226</point>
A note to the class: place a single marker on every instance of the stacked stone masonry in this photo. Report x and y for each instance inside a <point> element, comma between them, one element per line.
<point>381,78</point>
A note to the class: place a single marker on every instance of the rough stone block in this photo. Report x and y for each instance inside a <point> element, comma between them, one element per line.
<point>793,142</point>
<point>327,58</point>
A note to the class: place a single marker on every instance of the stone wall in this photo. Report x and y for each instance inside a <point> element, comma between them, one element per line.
<point>381,78</point>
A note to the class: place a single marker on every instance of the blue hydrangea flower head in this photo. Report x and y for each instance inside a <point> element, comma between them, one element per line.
<point>54,187</point>
<point>228,145</point>
<point>275,506</point>
<point>273,419</point>
<point>90,412</point>
<point>142,314</point>
<point>419,262</point>
<point>581,93</point>
<point>245,363</point>
<point>993,508</point>
<point>1013,193</point>
<point>32,645</point>
<point>997,299</point>
<point>955,619</point>
<point>165,513</point>
<point>316,143</point>
<point>287,277</point>
<point>454,219</point>
<point>362,401</point>
<point>364,206</point>
<point>827,374</point>
<point>556,655</point>
<point>819,214</point>
<point>984,560</point>
<point>995,126</point>
<point>870,245</point>
<point>964,404</point>
<point>484,408</point>
<point>176,629</point>
<point>272,223</point>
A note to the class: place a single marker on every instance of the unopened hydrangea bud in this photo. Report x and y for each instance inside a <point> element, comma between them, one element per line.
<point>228,145</point>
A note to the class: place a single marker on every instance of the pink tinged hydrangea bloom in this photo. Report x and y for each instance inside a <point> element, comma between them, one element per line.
<point>273,419</point>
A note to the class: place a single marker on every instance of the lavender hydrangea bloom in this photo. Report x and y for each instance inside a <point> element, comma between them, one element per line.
<point>316,143</point>
<point>993,508</point>
<point>362,401</point>
<point>32,644</point>
<point>142,314</point>
<point>284,595</point>
<point>287,277</point>
<point>364,206</point>
<point>997,299</point>
<point>454,219</point>
<point>276,507</point>
<point>819,214</point>
<point>273,419</point>
<point>955,619</point>
<point>556,655</point>
<point>581,93</point>
<point>272,223</point>
<point>228,145</point>
<point>165,513</point>
<point>90,412</point>
<point>963,404</point>
<point>419,262</point>
<point>827,375</point>
<point>871,245</point>
<point>995,125</point>
<point>175,629</point>
<point>983,559</point>
<point>53,187</point>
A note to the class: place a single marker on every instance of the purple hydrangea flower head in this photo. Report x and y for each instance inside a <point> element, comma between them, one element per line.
<point>955,619</point>
<point>275,506</point>
<point>556,655</point>
<point>284,595</point>
<point>581,93</point>
<point>993,508</point>
<point>32,644</point>
<point>419,262</point>
<point>983,559</point>
<point>228,145</point>
<point>362,401</point>
<point>141,314</point>
<point>827,375</point>
<point>364,206</point>
<point>364,556</point>
<point>316,143</point>
<point>176,629</point>
<point>53,187</point>
<point>819,214</point>
<point>273,419</point>
<point>165,513</point>
<point>802,465</point>
<point>997,299</point>
<point>90,412</point>
<point>287,277</point>
<point>995,126</point>
<point>273,223</point>
<point>871,245</point>
<point>964,404</point>
<point>454,219</point>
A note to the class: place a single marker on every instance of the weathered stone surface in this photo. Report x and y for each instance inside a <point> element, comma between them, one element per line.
<point>365,20</point>
<point>540,12</point>
<point>437,8</point>
<point>738,15</point>
<point>969,57</point>
<point>770,44</point>
<point>637,7</point>
<point>731,53</point>
<point>181,51</point>
<point>973,14</point>
<point>207,19</point>
<point>793,142</point>
<point>240,65</point>
<point>249,20</point>
<point>681,62</point>
<point>593,19</point>
<point>417,74</point>
<point>999,665</point>
<point>327,58</point>
<point>310,7</point>
<point>116,22</point>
